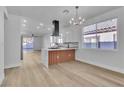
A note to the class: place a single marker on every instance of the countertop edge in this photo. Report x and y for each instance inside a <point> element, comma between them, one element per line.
<point>60,49</point>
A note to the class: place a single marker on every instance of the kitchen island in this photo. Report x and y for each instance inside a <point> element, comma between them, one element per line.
<point>56,56</point>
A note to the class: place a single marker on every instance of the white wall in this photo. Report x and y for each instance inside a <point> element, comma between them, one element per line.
<point>37,43</point>
<point>1,44</point>
<point>45,41</point>
<point>113,60</point>
<point>12,41</point>
<point>70,33</point>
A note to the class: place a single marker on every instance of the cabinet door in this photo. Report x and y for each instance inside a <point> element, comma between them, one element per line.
<point>59,56</point>
<point>70,55</point>
<point>55,57</point>
<point>64,56</point>
<point>50,60</point>
<point>53,53</point>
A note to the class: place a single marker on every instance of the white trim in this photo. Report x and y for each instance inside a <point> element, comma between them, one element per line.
<point>1,81</point>
<point>115,69</point>
<point>12,65</point>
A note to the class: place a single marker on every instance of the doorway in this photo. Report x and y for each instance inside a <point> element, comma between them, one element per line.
<point>26,45</point>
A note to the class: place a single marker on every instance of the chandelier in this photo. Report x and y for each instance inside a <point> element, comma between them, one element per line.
<point>77,20</point>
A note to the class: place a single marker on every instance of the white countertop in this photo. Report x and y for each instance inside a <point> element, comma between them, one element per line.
<point>58,49</point>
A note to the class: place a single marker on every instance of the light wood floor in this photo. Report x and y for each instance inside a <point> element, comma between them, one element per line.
<point>32,73</point>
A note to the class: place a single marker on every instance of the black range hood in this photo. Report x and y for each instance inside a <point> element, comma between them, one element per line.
<point>56,28</point>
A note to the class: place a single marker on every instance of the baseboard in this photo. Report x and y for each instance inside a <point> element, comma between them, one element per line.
<point>1,82</point>
<point>115,69</point>
<point>12,65</point>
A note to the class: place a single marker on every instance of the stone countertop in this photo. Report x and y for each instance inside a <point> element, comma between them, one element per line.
<point>58,49</point>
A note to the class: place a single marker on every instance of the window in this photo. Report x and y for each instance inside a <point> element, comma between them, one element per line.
<point>90,36</point>
<point>27,43</point>
<point>102,35</point>
<point>56,40</point>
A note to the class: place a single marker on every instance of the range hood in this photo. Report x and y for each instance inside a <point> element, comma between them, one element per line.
<point>56,28</point>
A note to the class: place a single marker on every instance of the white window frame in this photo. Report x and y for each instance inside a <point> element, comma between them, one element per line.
<point>114,49</point>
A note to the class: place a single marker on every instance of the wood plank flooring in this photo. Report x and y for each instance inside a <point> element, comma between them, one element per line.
<point>32,73</point>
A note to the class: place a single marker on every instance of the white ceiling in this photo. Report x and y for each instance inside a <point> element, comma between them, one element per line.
<point>32,26</point>
<point>45,14</point>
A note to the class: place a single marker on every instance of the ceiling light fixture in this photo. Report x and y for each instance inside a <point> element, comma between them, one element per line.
<point>38,27</point>
<point>49,29</point>
<point>41,24</point>
<point>77,20</point>
<point>25,21</point>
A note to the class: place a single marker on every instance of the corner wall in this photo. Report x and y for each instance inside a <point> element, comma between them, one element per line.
<point>113,60</point>
<point>1,44</point>
<point>45,41</point>
<point>37,43</point>
<point>12,41</point>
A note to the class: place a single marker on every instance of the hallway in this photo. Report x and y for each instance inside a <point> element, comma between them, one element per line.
<point>33,73</point>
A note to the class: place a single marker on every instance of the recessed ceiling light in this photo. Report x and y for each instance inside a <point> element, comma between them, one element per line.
<point>41,24</point>
<point>67,32</point>
<point>49,28</point>
<point>70,22</point>
<point>72,19</point>
<point>38,27</point>
<point>25,21</point>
